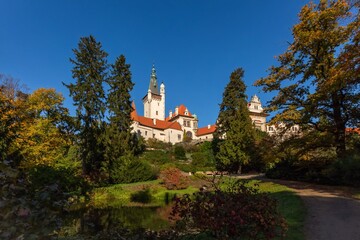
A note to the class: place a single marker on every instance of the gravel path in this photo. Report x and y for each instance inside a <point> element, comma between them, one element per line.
<point>332,213</point>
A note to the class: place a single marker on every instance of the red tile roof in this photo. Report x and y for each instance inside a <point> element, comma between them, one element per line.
<point>149,122</point>
<point>181,112</point>
<point>353,130</point>
<point>206,130</point>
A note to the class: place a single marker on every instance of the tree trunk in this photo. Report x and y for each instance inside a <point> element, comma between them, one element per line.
<point>340,141</point>
<point>239,169</point>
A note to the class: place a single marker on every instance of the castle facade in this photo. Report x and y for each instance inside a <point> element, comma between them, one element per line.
<point>180,123</point>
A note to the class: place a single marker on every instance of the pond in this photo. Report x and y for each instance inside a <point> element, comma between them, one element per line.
<point>91,220</point>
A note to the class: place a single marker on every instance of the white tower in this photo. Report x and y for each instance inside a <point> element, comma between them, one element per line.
<point>255,105</point>
<point>162,103</point>
<point>257,114</point>
<point>154,100</point>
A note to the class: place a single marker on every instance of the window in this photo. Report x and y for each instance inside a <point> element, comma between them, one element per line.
<point>256,107</point>
<point>271,129</point>
<point>145,133</point>
<point>156,112</point>
<point>153,135</point>
<point>179,137</point>
<point>189,135</point>
<point>139,132</point>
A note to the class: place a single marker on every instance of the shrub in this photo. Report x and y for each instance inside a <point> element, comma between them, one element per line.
<point>157,144</point>
<point>203,159</point>
<point>344,171</point>
<point>66,178</point>
<point>186,167</point>
<point>189,147</point>
<point>142,196</point>
<point>174,179</point>
<point>157,157</point>
<point>134,171</point>
<point>189,167</point>
<point>179,152</point>
<point>238,212</point>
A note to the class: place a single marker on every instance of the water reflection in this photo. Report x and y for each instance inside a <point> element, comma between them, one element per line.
<point>91,221</point>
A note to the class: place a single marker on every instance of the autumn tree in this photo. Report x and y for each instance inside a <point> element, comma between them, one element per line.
<point>12,113</point>
<point>118,133</point>
<point>41,141</point>
<point>90,72</point>
<point>317,79</point>
<point>234,126</point>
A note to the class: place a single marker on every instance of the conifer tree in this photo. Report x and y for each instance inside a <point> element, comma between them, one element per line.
<point>90,72</point>
<point>119,139</point>
<point>119,103</point>
<point>234,126</point>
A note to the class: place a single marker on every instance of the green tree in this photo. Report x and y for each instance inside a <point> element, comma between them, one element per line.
<point>317,80</point>
<point>119,102</point>
<point>234,126</point>
<point>90,72</point>
<point>119,139</point>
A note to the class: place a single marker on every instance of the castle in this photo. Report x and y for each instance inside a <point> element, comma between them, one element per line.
<point>181,122</point>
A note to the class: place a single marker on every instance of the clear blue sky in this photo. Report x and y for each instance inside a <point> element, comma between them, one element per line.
<point>195,45</point>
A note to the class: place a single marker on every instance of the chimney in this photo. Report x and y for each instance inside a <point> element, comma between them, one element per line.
<point>170,114</point>
<point>154,121</point>
<point>209,126</point>
<point>176,111</point>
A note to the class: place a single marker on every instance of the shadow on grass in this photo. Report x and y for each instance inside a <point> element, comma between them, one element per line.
<point>294,211</point>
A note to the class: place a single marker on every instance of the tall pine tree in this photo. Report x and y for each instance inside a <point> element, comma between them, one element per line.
<point>234,126</point>
<point>90,72</point>
<point>118,133</point>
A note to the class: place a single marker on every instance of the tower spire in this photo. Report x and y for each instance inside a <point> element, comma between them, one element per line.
<point>153,86</point>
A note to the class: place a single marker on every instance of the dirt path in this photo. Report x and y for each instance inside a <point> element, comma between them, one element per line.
<point>332,213</point>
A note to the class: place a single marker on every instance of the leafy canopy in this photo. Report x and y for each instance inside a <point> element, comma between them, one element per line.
<point>317,80</point>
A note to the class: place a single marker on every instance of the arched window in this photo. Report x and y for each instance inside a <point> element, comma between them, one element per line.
<point>189,135</point>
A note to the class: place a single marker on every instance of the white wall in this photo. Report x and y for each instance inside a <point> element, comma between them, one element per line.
<point>167,135</point>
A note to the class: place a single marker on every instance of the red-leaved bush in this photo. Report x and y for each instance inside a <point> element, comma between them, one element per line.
<point>173,178</point>
<point>238,212</point>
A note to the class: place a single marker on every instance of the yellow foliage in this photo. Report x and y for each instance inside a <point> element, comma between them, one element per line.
<point>32,122</point>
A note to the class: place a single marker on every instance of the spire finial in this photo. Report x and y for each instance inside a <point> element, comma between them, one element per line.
<point>153,87</point>
<point>153,71</point>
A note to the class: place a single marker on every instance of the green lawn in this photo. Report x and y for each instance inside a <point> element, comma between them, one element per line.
<point>357,195</point>
<point>119,194</point>
<point>290,205</point>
